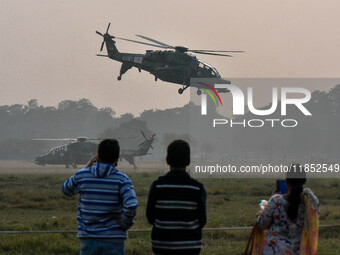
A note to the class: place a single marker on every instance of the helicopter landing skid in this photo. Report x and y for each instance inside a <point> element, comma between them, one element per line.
<point>181,90</point>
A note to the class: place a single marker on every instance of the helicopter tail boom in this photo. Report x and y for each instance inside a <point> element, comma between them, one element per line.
<point>111,48</point>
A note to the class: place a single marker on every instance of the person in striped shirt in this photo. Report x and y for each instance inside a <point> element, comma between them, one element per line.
<point>107,202</point>
<point>177,206</point>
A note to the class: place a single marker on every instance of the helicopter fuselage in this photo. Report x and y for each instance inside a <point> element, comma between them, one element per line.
<point>80,152</point>
<point>166,65</point>
<point>175,65</point>
<point>68,154</point>
<point>169,66</point>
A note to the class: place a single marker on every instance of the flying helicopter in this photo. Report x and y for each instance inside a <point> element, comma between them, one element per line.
<point>80,150</point>
<point>172,64</point>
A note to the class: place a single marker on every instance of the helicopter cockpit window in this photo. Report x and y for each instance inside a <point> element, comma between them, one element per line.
<point>210,71</point>
<point>48,152</point>
<point>214,72</point>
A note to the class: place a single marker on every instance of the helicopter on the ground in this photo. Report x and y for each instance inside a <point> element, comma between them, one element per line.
<point>173,64</point>
<point>80,150</point>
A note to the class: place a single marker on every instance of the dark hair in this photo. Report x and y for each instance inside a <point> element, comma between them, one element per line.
<point>296,178</point>
<point>108,151</point>
<point>178,154</point>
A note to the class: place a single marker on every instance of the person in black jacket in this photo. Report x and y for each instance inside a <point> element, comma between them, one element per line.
<point>177,206</point>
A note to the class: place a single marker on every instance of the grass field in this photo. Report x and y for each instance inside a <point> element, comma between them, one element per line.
<point>30,199</point>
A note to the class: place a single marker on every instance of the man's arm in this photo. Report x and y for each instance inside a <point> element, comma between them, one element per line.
<point>202,211</point>
<point>69,187</point>
<point>150,209</point>
<point>129,204</point>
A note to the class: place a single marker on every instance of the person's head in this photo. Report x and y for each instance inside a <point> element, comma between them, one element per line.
<point>295,179</point>
<point>178,154</point>
<point>108,151</point>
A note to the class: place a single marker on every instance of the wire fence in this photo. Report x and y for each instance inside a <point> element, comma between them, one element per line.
<point>7,232</point>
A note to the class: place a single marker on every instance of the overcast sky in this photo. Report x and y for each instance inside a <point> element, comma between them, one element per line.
<point>48,48</point>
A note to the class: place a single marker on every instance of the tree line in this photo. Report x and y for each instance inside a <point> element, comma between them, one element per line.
<point>315,135</point>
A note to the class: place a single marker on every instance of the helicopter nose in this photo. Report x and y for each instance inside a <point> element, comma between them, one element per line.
<point>38,160</point>
<point>225,81</point>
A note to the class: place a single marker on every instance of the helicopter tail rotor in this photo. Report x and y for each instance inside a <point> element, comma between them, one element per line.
<point>105,36</point>
<point>108,27</point>
<point>144,135</point>
<point>150,138</point>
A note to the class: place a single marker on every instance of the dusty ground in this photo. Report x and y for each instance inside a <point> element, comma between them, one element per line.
<point>22,167</point>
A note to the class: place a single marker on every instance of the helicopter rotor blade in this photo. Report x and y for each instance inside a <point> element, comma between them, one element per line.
<point>233,51</point>
<point>164,45</point>
<point>100,55</point>
<point>75,139</point>
<point>118,138</point>
<point>101,47</point>
<point>134,41</point>
<point>144,135</point>
<point>208,53</point>
<point>130,137</point>
<point>99,33</point>
<point>108,27</point>
<point>54,139</point>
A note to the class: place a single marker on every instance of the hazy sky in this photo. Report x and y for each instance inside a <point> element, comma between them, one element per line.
<point>48,48</point>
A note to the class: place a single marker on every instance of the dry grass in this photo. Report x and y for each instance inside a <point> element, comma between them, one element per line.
<point>30,199</point>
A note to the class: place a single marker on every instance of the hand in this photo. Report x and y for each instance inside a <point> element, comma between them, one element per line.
<point>92,161</point>
<point>119,220</point>
<point>259,213</point>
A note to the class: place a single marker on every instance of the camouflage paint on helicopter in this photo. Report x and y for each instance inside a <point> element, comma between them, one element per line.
<point>175,65</point>
<point>81,150</point>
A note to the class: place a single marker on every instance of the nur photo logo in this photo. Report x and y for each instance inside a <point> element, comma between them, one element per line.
<point>294,97</point>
